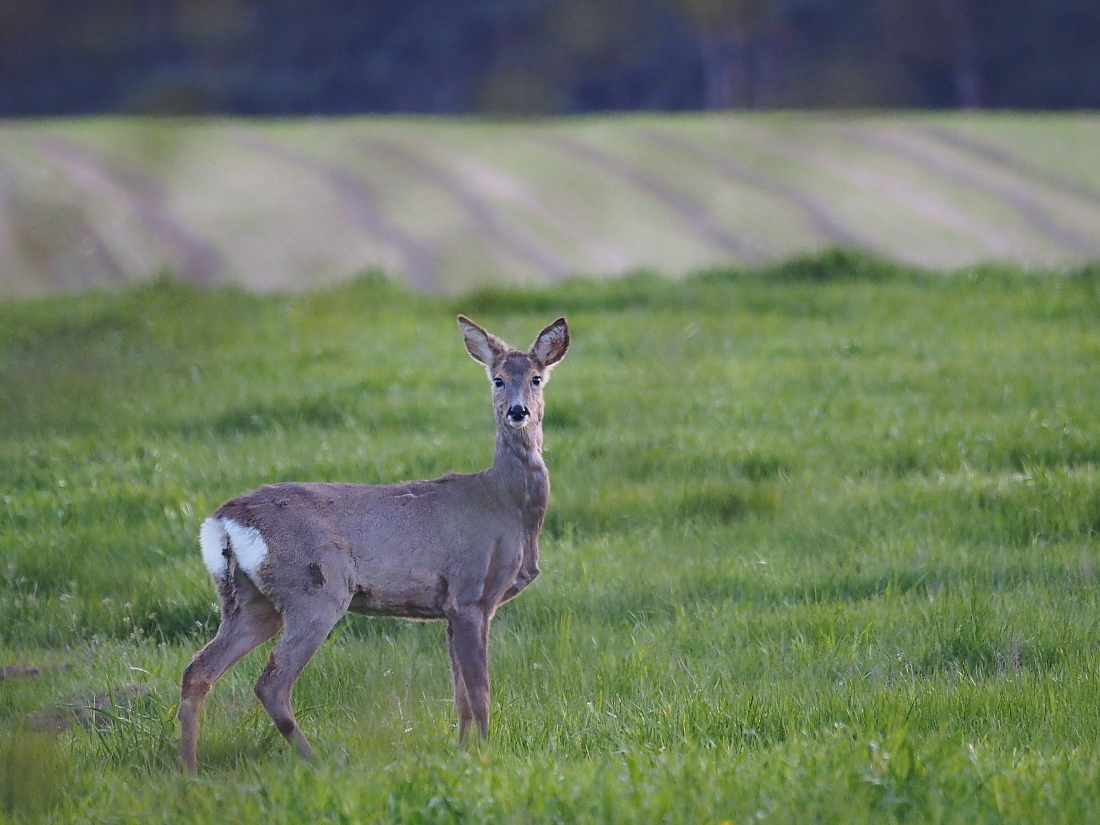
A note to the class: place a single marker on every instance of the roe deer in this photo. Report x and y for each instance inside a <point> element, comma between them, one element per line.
<point>301,555</point>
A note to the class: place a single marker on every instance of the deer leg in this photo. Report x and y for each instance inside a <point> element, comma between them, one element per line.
<point>301,639</point>
<point>244,626</point>
<point>469,645</point>
<point>462,699</point>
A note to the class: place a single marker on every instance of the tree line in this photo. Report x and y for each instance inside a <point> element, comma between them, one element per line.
<point>513,57</point>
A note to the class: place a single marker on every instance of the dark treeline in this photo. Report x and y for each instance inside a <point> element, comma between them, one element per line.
<point>542,56</point>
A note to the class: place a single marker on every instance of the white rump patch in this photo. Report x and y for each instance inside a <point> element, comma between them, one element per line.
<point>212,543</point>
<point>245,543</point>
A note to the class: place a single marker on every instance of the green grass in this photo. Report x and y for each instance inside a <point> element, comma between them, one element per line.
<point>822,547</point>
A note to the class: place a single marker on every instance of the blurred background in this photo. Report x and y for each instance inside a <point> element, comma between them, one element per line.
<point>526,141</point>
<point>542,56</point>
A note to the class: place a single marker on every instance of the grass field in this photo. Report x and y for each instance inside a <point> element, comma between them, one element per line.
<point>822,547</point>
<point>453,204</point>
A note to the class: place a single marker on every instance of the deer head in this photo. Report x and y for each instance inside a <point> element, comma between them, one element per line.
<point>517,377</point>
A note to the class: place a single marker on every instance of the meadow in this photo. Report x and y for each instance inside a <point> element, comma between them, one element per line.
<point>455,204</point>
<point>822,547</point>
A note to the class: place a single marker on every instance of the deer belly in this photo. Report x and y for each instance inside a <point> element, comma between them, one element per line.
<point>420,603</point>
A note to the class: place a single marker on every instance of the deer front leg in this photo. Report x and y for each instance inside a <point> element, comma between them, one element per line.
<point>468,632</point>
<point>462,699</point>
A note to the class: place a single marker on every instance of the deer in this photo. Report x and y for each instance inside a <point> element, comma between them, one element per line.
<point>298,556</point>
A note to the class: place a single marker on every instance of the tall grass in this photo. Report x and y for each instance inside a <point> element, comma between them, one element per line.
<point>822,543</point>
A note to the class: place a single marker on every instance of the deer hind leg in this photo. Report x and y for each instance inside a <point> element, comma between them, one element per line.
<point>248,620</point>
<point>302,637</point>
<point>468,631</point>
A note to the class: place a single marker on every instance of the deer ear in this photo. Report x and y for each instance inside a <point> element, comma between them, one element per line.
<point>482,346</point>
<point>550,346</point>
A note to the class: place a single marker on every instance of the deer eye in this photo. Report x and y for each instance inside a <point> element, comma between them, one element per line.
<point>498,381</point>
<point>536,380</point>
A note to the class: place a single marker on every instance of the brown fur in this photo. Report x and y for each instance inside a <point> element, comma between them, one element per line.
<point>452,548</point>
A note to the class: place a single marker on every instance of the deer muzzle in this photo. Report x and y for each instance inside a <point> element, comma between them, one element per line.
<point>517,415</point>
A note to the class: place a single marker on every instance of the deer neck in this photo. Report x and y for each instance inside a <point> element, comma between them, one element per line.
<point>519,467</point>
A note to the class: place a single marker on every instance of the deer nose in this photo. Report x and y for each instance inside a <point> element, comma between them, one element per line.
<point>517,413</point>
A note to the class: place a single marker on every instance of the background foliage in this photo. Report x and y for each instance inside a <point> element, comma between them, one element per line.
<point>542,56</point>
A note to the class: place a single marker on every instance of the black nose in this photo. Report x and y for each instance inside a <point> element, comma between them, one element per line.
<point>518,413</point>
